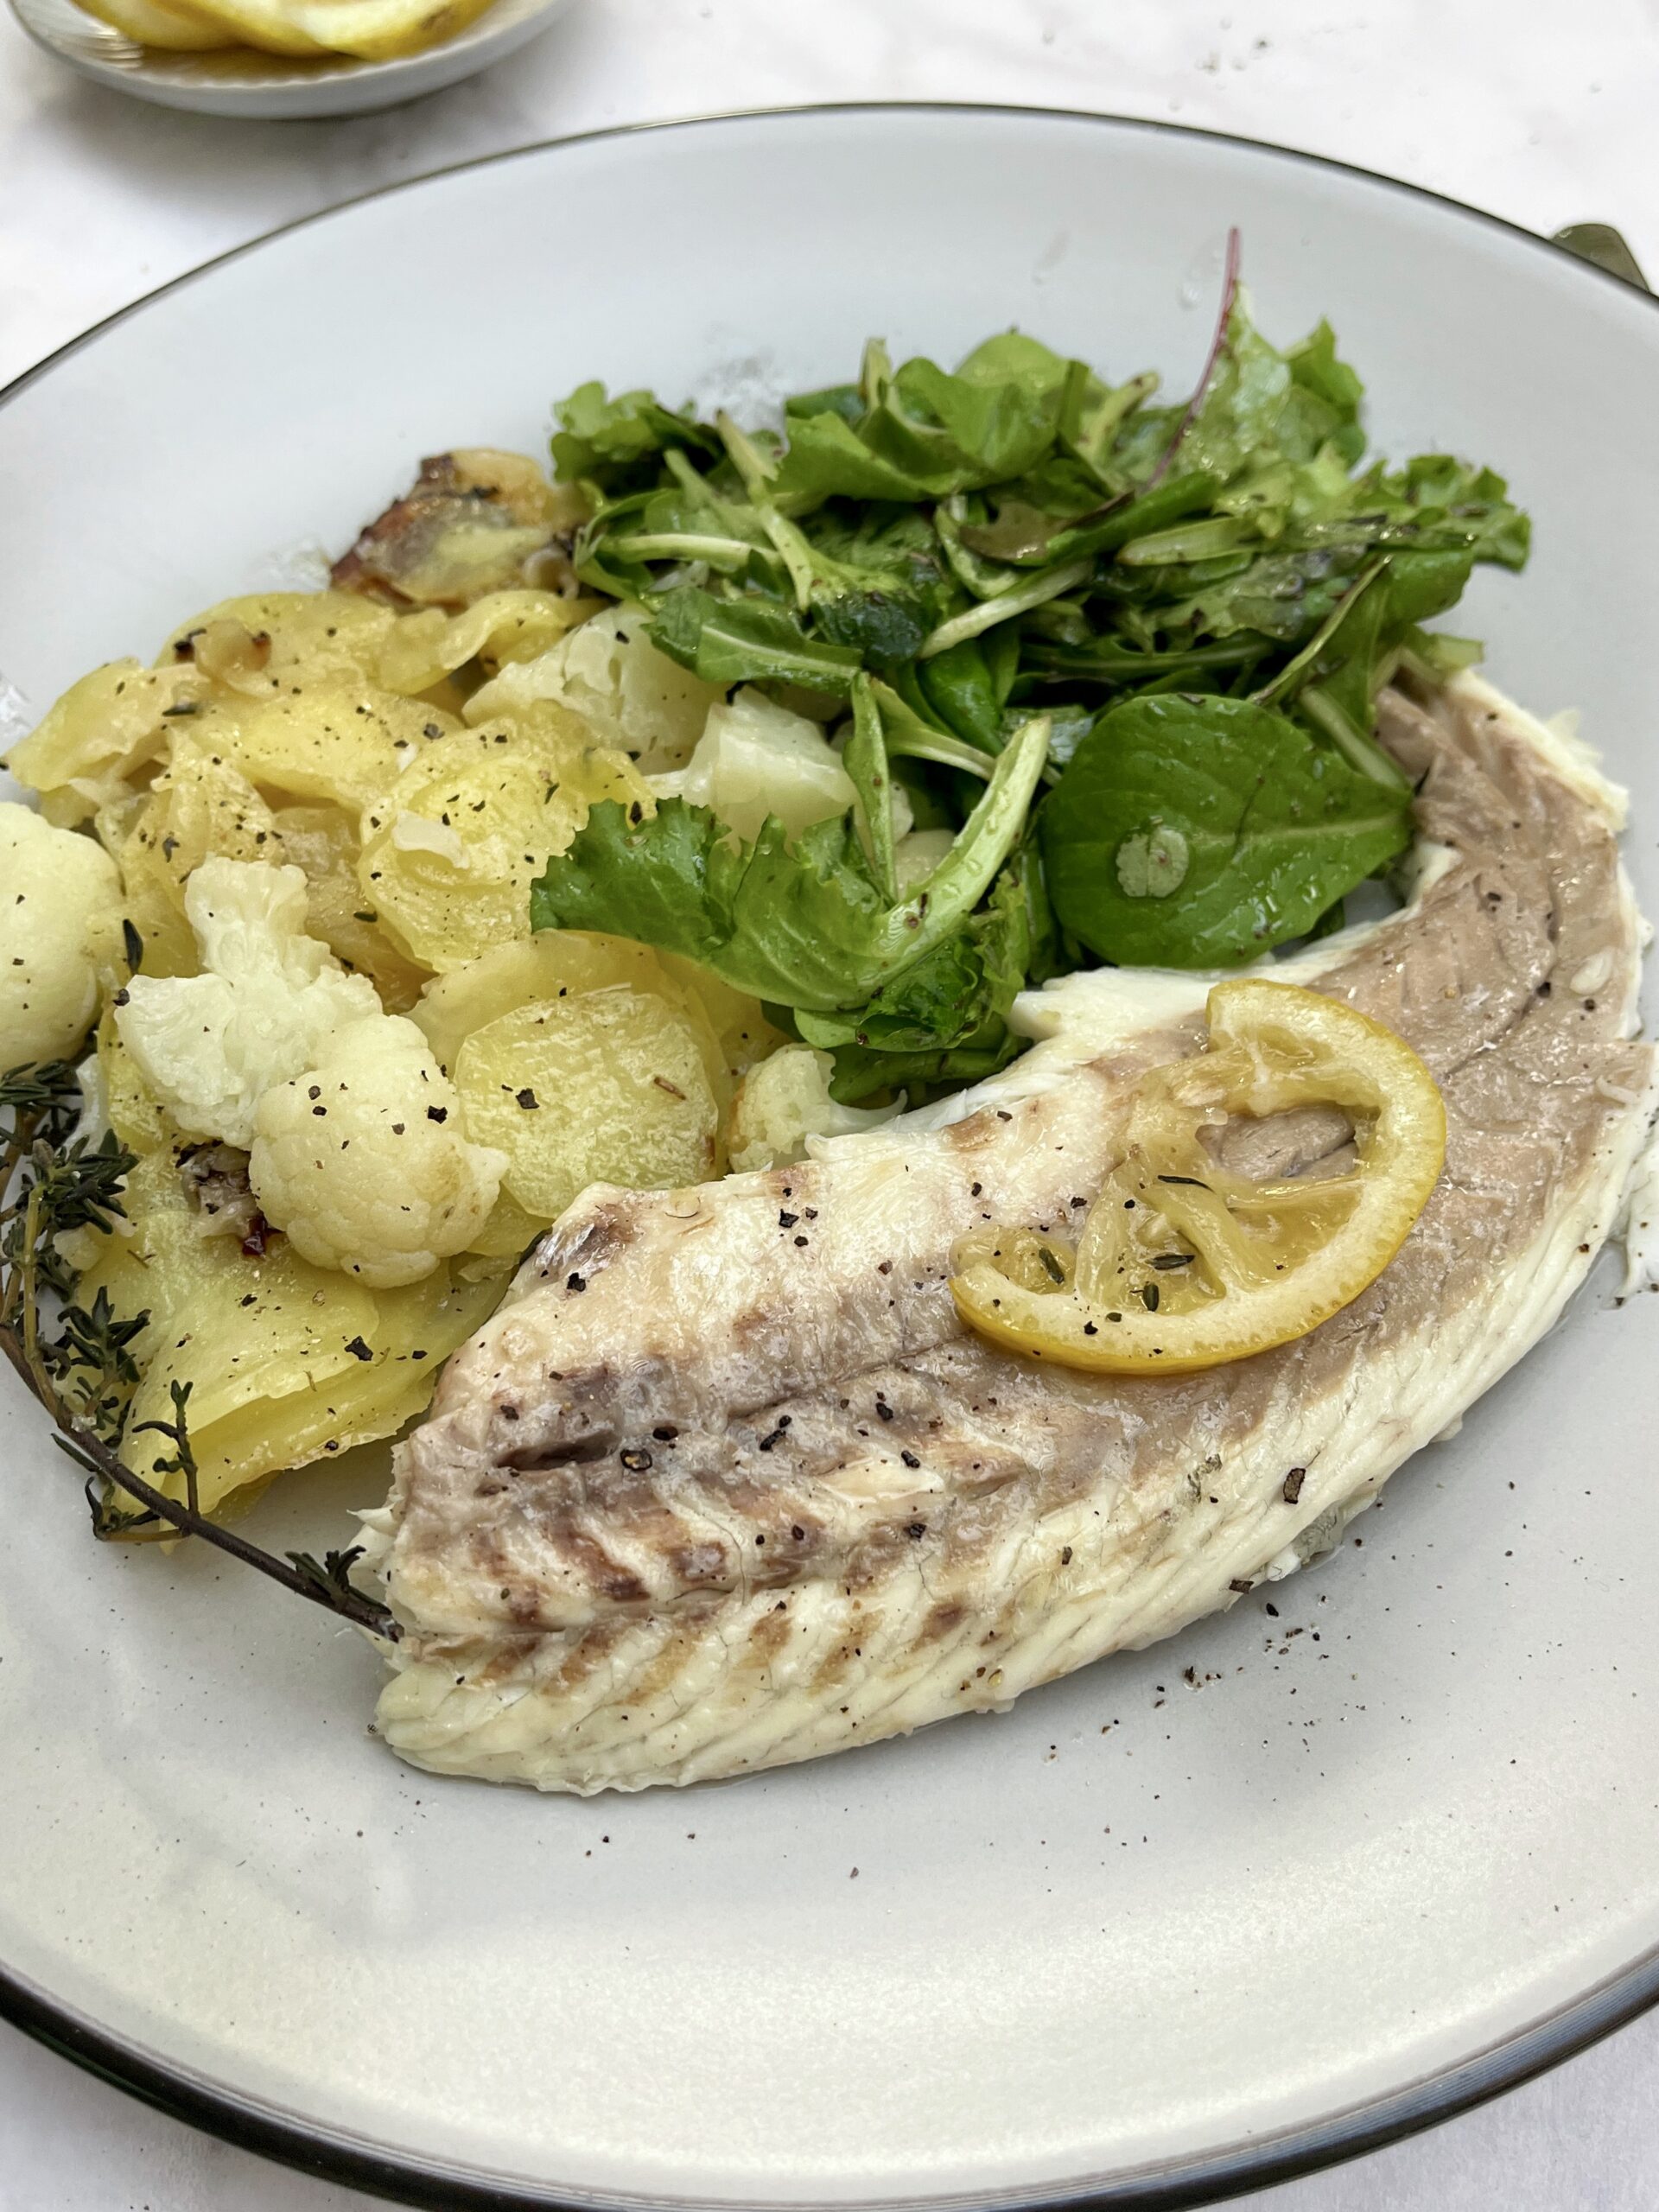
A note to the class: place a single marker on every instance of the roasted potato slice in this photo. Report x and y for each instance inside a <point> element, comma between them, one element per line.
<point>607,1086</point>
<point>475,521</point>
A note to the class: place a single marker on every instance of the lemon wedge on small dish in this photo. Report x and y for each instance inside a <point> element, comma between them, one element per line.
<point>1183,1264</point>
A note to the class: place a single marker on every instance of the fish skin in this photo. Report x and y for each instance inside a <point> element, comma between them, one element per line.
<point>865,1519</point>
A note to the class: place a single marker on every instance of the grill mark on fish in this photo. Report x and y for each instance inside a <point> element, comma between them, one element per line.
<point>971,1523</point>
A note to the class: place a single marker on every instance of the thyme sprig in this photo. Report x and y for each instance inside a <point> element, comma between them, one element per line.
<point>53,1182</point>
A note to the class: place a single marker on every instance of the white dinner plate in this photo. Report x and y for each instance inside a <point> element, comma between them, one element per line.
<point>1399,1844</point>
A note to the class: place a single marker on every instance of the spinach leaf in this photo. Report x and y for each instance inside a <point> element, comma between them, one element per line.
<point>1199,832</point>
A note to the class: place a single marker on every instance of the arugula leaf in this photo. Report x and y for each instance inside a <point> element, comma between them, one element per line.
<point>609,442</point>
<point>945,1020</point>
<point>864,756</point>
<point>748,641</point>
<point>1199,832</point>
<point>950,548</point>
<point>804,926</point>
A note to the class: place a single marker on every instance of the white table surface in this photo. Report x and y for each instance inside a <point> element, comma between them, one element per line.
<point>1542,112</point>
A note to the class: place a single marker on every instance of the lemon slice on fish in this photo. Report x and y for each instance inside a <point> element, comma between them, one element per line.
<point>1184,1263</point>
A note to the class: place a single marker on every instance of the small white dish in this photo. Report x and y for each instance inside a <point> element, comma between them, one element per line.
<point>272,86</point>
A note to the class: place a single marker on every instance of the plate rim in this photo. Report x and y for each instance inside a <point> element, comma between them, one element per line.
<point>1170,2185</point>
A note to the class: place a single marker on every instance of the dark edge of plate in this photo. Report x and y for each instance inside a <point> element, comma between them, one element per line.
<point>1171,2185</point>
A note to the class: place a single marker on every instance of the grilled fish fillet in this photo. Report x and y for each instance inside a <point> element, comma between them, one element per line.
<point>726,1485</point>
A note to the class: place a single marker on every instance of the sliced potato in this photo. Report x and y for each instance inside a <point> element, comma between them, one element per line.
<point>450,853</point>
<point>323,842</point>
<point>287,1363</point>
<point>552,964</point>
<point>172,28</point>
<point>379,31</point>
<point>607,1086</point>
<point>504,627</point>
<point>315,741</point>
<point>312,637</point>
<point>135,1113</point>
<point>94,742</point>
<point>199,804</point>
<point>267,24</point>
<point>744,1035</point>
<point>509,1232</point>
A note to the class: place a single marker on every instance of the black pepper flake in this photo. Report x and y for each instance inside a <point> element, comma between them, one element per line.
<point>637,1463</point>
<point>576,1282</point>
<point>916,1531</point>
<point>1149,1296</point>
<point>133,943</point>
<point>123,997</point>
<point>800,1241</point>
<point>884,1267</point>
<point>1002,1114</point>
<point>787,1220</point>
<point>1164,1261</point>
<point>910,1458</point>
<point>975,1189</point>
<point>359,1350</point>
<point>1293,1482</point>
<point>526,1098</point>
<point>1544,988</point>
<point>883,1409</point>
<point>438,1113</point>
<point>1065,1556</point>
<point>666,1433</point>
<point>776,1437</point>
<point>1241,1586</point>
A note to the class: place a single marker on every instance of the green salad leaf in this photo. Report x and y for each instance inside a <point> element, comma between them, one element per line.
<point>1197,601</point>
<point>805,925</point>
<point>1197,832</point>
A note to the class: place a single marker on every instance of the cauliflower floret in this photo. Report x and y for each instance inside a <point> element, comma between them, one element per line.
<point>756,758</point>
<point>55,886</point>
<point>608,671</point>
<point>786,1100</point>
<point>363,1160</point>
<point>209,1045</point>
